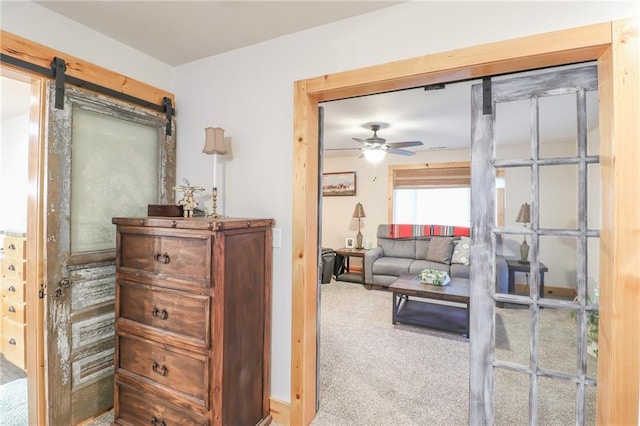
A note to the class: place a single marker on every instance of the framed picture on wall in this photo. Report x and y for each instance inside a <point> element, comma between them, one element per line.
<point>350,242</point>
<point>343,183</point>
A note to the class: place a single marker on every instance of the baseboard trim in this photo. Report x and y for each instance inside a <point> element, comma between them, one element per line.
<point>280,411</point>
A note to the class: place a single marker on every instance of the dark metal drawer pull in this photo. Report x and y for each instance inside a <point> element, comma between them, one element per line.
<point>11,288</point>
<point>11,246</point>
<point>156,422</point>
<point>159,370</point>
<point>162,314</point>
<point>162,258</point>
<point>12,341</point>
<point>12,268</point>
<point>12,309</point>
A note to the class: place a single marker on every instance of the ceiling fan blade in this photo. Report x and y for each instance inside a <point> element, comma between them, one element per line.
<point>405,144</point>
<point>400,151</point>
<point>343,149</point>
<point>360,140</point>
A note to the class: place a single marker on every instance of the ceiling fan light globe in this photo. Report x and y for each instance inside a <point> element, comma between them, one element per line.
<point>374,155</point>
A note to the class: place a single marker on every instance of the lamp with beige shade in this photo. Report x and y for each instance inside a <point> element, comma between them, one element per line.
<point>524,216</point>
<point>214,145</point>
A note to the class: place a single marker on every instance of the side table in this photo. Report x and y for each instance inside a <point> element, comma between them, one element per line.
<point>515,265</point>
<point>345,268</point>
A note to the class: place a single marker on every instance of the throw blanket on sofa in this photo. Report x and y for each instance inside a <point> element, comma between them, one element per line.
<point>409,231</point>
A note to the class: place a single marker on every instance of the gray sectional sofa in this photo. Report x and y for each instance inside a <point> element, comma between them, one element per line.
<point>410,255</point>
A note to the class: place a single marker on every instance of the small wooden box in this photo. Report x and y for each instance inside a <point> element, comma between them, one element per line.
<point>166,210</point>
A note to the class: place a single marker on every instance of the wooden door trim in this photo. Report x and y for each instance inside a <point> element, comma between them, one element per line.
<point>37,54</point>
<point>615,46</point>
<point>619,326</point>
<point>35,256</point>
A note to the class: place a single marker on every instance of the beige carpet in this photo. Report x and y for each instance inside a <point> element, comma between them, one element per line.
<point>375,373</point>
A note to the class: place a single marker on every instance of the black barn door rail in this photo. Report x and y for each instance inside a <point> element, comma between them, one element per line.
<point>57,72</point>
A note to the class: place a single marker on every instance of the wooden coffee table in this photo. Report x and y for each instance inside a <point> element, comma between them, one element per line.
<point>411,304</point>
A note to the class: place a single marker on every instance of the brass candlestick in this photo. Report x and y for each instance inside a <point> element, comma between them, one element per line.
<point>214,202</point>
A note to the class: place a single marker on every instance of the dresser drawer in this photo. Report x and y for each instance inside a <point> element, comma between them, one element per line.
<point>14,268</point>
<point>184,258</point>
<point>167,366</point>
<point>15,311</point>
<point>183,314</point>
<point>137,408</point>
<point>13,289</point>
<point>14,335</point>
<point>15,247</point>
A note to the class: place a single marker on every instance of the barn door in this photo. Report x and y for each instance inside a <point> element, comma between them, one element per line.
<point>534,138</point>
<point>104,158</point>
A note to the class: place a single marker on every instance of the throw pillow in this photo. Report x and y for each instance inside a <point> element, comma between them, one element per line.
<point>462,251</point>
<point>440,249</point>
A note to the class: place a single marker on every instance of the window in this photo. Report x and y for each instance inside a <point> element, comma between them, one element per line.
<point>431,194</point>
<point>438,206</point>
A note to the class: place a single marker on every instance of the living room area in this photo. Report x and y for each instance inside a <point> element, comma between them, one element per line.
<point>564,198</point>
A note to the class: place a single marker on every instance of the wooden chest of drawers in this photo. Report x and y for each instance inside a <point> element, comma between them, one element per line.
<point>193,321</point>
<point>13,323</point>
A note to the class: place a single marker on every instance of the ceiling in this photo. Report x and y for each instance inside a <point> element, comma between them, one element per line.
<point>439,118</point>
<point>177,32</point>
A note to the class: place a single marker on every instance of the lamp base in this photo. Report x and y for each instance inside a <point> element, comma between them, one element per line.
<point>359,241</point>
<point>214,202</point>
<point>524,251</point>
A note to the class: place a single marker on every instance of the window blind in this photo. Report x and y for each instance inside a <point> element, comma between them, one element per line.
<point>431,177</point>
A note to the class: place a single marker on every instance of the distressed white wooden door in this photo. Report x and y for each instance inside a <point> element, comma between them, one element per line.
<point>104,158</point>
<point>529,358</point>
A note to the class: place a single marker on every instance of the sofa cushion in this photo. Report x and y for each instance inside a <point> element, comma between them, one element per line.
<point>391,266</point>
<point>461,251</point>
<point>440,249</point>
<point>398,248</point>
<point>419,265</point>
<point>459,271</point>
<point>422,246</point>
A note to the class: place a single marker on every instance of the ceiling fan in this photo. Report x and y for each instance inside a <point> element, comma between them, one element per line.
<point>375,148</point>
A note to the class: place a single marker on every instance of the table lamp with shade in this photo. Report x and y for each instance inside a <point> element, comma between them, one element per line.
<point>214,144</point>
<point>524,216</point>
<point>358,213</point>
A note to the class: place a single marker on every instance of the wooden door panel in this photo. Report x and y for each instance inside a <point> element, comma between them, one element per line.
<point>80,273</point>
<point>487,235</point>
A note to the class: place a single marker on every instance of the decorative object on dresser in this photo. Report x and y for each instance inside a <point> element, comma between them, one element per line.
<point>13,326</point>
<point>524,216</point>
<point>358,213</point>
<point>193,321</point>
<point>214,144</point>
<point>166,210</point>
<point>188,200</point>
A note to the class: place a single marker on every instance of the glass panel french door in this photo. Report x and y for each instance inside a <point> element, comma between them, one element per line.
<point>104,158</point>
<point>535,273</point>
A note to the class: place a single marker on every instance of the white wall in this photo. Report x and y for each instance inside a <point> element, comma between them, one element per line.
<point>14,154</point>
<point>249,92</point>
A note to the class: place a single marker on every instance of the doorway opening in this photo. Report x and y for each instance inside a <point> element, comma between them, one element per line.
<point>365,369</point>
<point>21,362</point>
